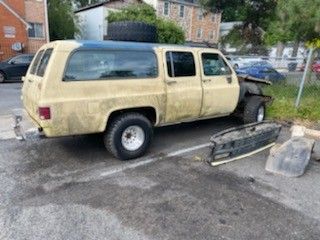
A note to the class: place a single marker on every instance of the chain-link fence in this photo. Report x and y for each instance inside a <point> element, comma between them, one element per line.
<point>300,87</point>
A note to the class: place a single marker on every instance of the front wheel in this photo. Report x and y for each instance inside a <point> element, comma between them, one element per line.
<point>128,136</point>
<point>254,110</point>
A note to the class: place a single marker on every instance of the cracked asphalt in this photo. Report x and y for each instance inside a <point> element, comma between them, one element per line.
<point>71,188</point>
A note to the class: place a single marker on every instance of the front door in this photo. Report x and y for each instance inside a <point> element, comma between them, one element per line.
<point>220,85</point>
<point>184,90</point>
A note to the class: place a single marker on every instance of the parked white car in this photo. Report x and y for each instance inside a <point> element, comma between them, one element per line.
<point>240,62</point>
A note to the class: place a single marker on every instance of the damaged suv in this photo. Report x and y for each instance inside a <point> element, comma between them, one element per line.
<point>124,89</point>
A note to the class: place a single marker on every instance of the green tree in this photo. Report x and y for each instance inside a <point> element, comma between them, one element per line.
<point>255,16</point>
<point>167,31</point>
<point>296,20</point>
<point>62,24</point>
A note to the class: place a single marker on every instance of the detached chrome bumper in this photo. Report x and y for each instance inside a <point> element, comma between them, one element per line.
<point>232,143</point>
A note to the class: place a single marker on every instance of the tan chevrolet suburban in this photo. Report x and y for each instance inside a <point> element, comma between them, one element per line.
<point>124,89</point>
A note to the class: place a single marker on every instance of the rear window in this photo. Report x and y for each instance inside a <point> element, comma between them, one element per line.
<point>36,62</point>
<point>110,64</point>
<point>40,63</point>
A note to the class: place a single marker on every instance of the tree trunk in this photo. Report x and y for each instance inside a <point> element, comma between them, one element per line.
<point>295,49</point>
<point>280,48</point>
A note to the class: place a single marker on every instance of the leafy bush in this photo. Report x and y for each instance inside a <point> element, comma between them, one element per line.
<point>167,31</point>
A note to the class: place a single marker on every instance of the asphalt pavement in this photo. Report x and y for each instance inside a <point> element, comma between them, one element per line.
<point>72,188</point>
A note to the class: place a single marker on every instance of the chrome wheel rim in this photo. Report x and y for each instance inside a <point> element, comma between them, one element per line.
<point>260,115</point>
<point>132,138</point>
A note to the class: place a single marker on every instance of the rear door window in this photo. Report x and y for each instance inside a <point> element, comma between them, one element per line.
<point>214,65</point>
<point>111,64</point>
<point>180,64</point>
<point>36,62</point>
<point>44,62</point>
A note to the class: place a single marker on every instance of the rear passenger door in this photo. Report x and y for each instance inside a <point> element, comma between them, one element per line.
<point>220,85</point>
<point>183,85</point>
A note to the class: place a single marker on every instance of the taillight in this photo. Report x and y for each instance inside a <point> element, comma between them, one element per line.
<point>44,113</point>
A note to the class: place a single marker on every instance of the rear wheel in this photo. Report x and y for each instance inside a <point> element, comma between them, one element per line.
<point>2,77</point>
<point>254,109</point>
<point>128,136</point>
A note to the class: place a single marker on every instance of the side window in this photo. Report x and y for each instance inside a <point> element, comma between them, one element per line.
<point>36,62</point>
<point>44,62</point>
<point>180,64</point>
<point>214,65</point>
<point>111,64</point>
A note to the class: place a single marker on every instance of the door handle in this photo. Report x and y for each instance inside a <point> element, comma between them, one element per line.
<point>171,81</point>
<point>206,80</point>
<point>229,80</point>
<point>29,80</point>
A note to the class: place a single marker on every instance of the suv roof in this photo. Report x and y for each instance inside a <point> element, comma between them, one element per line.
<point>119,44</point>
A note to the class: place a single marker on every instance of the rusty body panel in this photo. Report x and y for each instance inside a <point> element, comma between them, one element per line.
<point>81,107</point>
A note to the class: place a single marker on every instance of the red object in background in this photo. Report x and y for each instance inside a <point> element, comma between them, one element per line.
<point>315,67</point>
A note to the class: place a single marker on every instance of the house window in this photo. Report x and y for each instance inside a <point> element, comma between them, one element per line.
<point>200,14</point>
<point>213,18</point>
<point>35,30</point>
<point>181,13</point>
<point>166,8</point>
<point>199,33</point>
<point>9,32</point>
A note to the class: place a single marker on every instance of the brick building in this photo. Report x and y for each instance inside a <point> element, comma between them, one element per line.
<point>199,26</point>
<point>23,26</point>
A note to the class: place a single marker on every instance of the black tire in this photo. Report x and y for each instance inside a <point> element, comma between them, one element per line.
<point>113,135</point>
<point>131,31</point>
<point>2,77</point>
<point>251,109</point>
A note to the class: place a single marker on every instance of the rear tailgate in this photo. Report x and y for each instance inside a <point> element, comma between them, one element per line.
<point>33,81</point>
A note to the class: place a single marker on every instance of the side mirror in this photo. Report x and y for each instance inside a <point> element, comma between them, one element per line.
<point>12,62</point>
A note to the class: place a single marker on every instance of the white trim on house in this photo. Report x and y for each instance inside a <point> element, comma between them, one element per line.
<point>15,14</point>
<point>46,20</point>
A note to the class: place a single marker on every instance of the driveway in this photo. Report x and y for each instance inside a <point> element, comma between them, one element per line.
<point>71,188</point>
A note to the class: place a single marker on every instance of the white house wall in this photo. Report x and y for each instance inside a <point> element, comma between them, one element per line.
<point>92,23</point>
